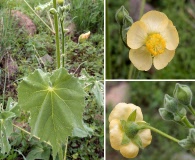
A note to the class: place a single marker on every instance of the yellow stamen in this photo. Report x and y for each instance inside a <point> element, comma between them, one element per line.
<point>155,44</point>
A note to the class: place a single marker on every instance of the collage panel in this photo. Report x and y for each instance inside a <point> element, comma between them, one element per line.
<point>150,39</point>
<point>51,79</point>
<point>150,120</point>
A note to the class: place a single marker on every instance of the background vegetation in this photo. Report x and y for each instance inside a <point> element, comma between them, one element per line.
<point>150,97</point>
<point>23,51</point>
<point>182,14</point>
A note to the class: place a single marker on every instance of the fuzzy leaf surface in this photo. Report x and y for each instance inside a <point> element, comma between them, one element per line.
<point>56,102</point>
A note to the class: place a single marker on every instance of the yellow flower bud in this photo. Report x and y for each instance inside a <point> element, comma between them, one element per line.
<point>121,127</point>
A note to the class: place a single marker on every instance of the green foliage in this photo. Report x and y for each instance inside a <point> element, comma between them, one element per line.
<point>80,9</point>
<point>6,129</point>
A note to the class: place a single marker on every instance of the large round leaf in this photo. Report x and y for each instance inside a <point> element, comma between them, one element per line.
<point>55,102</point>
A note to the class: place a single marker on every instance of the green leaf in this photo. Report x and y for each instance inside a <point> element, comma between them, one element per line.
<point>77,132</point>
<point>55,102</point>
<point>98,92</point>
<point>6,129</point>
<point>132,116</point>
<point>39,152</point>
<point>125,140</point>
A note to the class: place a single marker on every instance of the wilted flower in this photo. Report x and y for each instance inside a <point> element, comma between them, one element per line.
<point>84,37</point>
<point>153,39</point>
<point>125,130</point>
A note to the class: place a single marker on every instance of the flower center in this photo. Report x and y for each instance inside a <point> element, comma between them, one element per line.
<point>155,44</point>
<point>50,89</point>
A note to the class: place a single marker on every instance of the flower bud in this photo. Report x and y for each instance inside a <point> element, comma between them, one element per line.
<point>170,103</point>
<point>53,11</point>
<point>60,2</point>
<point>122,16</point>
<point>183,94</point>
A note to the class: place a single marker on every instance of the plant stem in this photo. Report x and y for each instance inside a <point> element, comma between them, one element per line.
<point>191,109</point>
<point>4,91</point>
<point>108,54</point>
<point>162,133</point>
<point>23,130</point>
<point>57,35</point>
<point>38,16</point>
<point>63,41</point>
<point>186,122</point>
<point>143,2</point>
<point>65,151</point>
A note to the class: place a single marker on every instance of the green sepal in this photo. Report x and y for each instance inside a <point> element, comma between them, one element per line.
<point>166,115</point>
<point>123,124</point>
<point>125,140</point>
<point>170,103</point>
<point>137,140</point>
<point>189,142</point>
<point>132,116</point>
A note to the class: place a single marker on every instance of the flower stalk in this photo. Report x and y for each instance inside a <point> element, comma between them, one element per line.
<point>56,35</point>
<point>162,133</point>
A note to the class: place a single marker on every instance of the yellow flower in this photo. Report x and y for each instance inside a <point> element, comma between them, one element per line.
<point>153,39</point>
<point>84,37</point>
<point>118,132</point>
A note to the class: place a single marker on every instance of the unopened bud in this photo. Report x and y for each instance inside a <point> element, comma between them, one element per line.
<point>183,94</point>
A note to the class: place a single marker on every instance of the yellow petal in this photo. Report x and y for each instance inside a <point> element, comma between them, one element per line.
<point>145,136</point>
<point>155,21</point>
<point>162,60</point>
<point>136,35</point>
<point>141,58</point>
<point>129,151</point>
<point>171,37</point>
<point>122,111</point>
<point>116,134</point>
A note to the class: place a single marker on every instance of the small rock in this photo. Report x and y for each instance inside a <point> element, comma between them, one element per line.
<point>46,59</point>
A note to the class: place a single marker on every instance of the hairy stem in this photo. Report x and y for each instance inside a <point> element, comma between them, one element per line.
<point>187,122</point>
<point>191,109</point>
<point>63,41</point>
<point>23,130</point>
<point>56,35</point>
<point>163,134</point>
